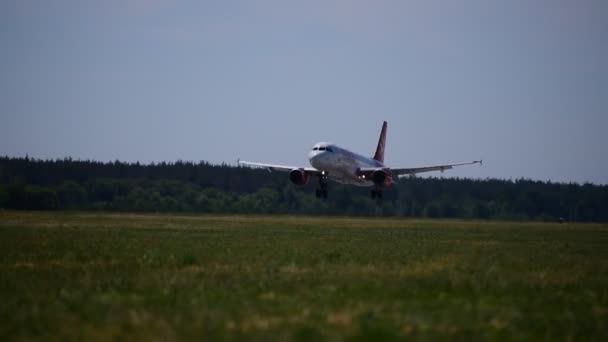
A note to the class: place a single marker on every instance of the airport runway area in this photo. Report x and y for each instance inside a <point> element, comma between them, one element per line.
<point>97,276</point>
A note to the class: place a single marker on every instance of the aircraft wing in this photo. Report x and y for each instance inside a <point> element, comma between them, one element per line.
<point>398,172</point>
<point>414,170</point>
<point>274,167</point>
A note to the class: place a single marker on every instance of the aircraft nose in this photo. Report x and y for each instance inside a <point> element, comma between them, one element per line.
<point>313,155</point>
<point>316,155</point>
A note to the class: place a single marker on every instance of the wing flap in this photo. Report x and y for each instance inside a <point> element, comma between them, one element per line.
<point>275,167</point>
<point>416,170</point>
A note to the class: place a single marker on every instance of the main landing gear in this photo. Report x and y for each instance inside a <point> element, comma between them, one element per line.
<point>322,190</point>
<point>376,194</point>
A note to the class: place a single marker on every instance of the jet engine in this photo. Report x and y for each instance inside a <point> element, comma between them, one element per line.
<point>381,178</point>
<point>298,177</point>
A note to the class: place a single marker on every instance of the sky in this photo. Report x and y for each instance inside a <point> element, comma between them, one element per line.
<point>522,85</point>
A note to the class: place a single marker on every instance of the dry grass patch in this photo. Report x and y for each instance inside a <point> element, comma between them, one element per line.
<point>429,267</point>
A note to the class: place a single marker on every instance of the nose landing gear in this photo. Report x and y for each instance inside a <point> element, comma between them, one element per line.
<point>321,192</point>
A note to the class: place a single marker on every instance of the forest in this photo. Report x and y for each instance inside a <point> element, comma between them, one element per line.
<point>200,187</point>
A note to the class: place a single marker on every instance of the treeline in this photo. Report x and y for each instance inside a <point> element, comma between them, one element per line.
<point>33,184</point>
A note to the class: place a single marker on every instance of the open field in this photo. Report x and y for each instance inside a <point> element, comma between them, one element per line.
<point>86,276</point>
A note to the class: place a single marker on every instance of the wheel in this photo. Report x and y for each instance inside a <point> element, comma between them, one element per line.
<point>322,190</point>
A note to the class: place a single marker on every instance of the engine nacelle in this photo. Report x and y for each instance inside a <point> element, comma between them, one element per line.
<point>381,178</point>
<point>298,177</point>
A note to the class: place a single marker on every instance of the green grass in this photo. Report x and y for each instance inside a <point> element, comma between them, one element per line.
<point>80,276</point>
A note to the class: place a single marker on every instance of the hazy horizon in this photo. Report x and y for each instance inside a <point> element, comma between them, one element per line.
<point>522,85</point>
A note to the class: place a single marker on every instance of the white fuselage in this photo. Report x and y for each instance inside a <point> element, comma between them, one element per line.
<point>341,165</point>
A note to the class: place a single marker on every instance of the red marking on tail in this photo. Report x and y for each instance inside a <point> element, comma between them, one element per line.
<point>379,155</point>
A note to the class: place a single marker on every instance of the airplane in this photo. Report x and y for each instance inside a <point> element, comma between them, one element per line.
<point>330,161</point>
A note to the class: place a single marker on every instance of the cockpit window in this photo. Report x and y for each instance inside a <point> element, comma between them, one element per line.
<point>322,148</point>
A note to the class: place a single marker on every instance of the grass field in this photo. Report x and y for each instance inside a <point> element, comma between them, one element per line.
<point>84,276</point>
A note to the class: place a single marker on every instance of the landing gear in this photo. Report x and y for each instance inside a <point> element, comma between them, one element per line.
<point>376,194</point>
<point>321,192</point>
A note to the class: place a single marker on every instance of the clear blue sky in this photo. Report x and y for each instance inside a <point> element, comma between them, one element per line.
<point>521,84</point>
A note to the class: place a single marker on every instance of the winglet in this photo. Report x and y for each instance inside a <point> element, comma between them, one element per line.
<point>379,155</point>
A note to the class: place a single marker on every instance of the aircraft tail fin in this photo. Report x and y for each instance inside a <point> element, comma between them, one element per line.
<point>379,155</point>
